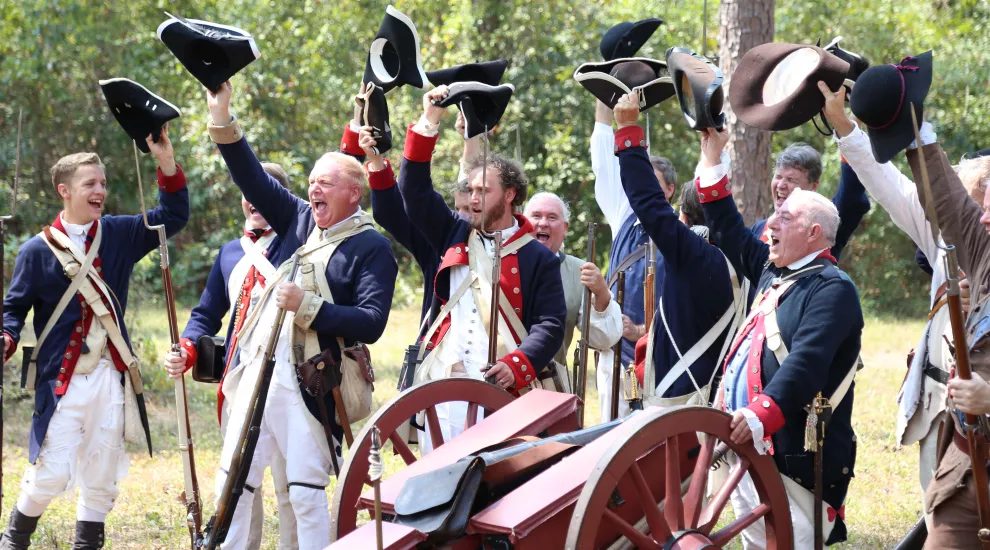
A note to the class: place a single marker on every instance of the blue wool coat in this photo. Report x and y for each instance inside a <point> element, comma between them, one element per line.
<point>39,282</point>
<point>821,324</point>
<point>361,273</point>
<point>696,289</point>
<point>543,310</point>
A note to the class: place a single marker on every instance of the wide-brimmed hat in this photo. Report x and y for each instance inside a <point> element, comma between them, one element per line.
<point>374,113</point>
<point>611,80</point>
<point>482,105</point>
<point>626,38</point>
<point>775,86</point>
<point>881,99</point>
<point>486,72</point>
<point>138,111</point>
<point>394,58</point>
<point>698,84</point>
<point>211,52</point>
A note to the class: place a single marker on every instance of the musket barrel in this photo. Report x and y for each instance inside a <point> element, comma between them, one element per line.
<point>582,368</point>
<point>617,351</point>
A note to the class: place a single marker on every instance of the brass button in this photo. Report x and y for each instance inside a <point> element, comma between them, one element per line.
<point>320,365</point>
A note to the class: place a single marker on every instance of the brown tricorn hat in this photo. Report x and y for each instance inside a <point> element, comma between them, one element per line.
<point>775,86</point>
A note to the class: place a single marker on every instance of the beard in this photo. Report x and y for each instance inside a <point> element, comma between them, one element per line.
<point>495,212</point>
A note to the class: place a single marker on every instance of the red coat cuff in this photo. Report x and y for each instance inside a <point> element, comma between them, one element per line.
<point>712,193</point>
<point>173,183</point>
<point>419,148</point>
<point>522,369</point>
<point>11,347</point>
<point>383,179</point>
<point>768,412</point>
<point>629,137</point>
<point>639,358</point>
<point>349,142</point>
<point>191,353</point>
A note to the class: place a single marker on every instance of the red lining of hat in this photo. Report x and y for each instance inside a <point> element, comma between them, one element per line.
<point>901,67</point>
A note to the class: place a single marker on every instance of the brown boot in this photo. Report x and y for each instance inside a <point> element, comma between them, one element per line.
<point>18,534</point>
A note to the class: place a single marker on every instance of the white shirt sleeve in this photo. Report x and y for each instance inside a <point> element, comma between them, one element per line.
<point>424,128</point>
<point>609,195</point>
<point>605,327</point>
<point>891,189</point>
<point>756,427</point>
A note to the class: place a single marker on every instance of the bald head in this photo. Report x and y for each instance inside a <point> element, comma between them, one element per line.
<point>805,223</point>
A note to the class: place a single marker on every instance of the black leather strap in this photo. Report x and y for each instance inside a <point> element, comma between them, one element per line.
<point>636,255</point>
<point>307,485</point>
<point>936,374</point>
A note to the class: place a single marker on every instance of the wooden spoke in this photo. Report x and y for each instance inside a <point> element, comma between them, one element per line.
<point>399,447</point>
<point>729,532</point>
<point>472,416</point>
<point>630,532</point>
<point>672,492</point>
<point>714,509</point>
<point>658,525</point>
<point>436,435</point>
<point>694,500</point>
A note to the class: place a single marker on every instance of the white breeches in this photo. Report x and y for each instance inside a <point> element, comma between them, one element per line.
<point>802,507</point>
<point>84,445</point>
<point>452,417</point>
<point>285,431</point>
<point>604,381</point>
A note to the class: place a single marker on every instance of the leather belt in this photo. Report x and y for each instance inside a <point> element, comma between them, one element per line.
<point>960,441</point>
<point>936,374</point>
<point>940,300</point>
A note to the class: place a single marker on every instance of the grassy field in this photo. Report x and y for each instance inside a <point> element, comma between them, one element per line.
<point>884,500</point>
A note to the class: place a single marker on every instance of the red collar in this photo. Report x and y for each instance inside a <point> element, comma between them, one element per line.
<point>57,224</point>
<point>255,234</point>
<point>525,227</point>
<point>827,254</point>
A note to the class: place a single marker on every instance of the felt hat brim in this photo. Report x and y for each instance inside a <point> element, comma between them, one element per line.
<point>482,105</point>
<point>394,58</point>
<point>211,52</point>
<point>595,78</point>
<point>698,85</point>
<point>625,39</point>
<point>486,72</point>
<point>138,111</point>
<point>793,72</point>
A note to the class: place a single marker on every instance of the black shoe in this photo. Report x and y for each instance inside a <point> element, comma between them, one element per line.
<point>89,535</point>
<point>18,534</point>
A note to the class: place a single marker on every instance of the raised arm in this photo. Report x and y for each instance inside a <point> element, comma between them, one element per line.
<point>852,203</point>
<point>425,207</point>
<point>608,184</point>
<point>276,203</point>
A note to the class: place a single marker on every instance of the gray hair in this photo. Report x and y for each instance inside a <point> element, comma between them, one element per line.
<point>802,156</point>
<point>666,169</point>
<point>565,211</point>
<point>974,173</point>
<point>818,210</point>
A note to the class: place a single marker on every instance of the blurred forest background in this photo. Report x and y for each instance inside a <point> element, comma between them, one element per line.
<point>294,101</point>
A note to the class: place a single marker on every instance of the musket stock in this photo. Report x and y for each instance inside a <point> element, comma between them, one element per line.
<point>581,383</point>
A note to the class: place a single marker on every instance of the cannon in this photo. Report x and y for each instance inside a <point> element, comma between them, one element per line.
<point>641,483</point>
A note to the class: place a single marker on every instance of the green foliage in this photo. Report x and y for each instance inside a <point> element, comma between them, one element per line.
<point>294,101</point>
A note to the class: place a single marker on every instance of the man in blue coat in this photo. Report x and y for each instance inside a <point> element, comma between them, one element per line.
<point>340,300</point>
<point>81,366</point>
<point>531,327</point>
<point>801,342</point>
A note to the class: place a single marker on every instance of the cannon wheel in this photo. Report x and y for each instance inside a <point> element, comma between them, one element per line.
<point>684,521</point>
<point>354,473</point>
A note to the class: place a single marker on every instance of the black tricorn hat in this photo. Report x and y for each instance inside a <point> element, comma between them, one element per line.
<point>698,84</point>
<point>482,105</point>
<point>486,72</point>
<point>775,86</point>
<point>625,39</point>
<point>881,99</point>
<point>374,113</point>
<point>610,80</point>
<point>857,63</point>
<point>977,154</point>
<point>394,57</point>
<point>211,52</point>
<point>138,111</point>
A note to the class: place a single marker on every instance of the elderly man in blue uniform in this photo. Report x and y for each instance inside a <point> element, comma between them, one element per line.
<point>531,324</point>
<point>629,251</point>
<point>238,279</point>
<point>551,219</point>
<point>702,301</point>
<point>800,343</point>
<point>340,299</point>
<point>83,352</point>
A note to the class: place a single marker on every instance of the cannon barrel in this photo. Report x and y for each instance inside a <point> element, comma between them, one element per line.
<point>579,437</point>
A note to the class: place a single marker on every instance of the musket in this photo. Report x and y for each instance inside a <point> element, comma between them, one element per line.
<point>620,292</point>
<point>3,222</point>
<point>975,436</point>
<point>247,442</point>
<point>194,511</point>
<point>375,470</point>
<point>649,288</point>
<point>581,366</point>
<point>496,268</point>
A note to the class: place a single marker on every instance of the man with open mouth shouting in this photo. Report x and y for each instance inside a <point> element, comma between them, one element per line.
<point>80,363</point>
<point>339,301</point>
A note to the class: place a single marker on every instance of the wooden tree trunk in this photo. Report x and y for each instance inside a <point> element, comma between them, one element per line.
<point>744,24</point>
